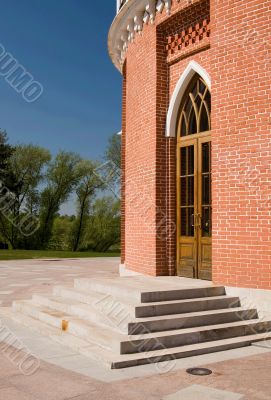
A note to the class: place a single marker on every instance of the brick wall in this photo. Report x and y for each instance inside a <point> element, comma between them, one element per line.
<point>241,100</point>
<point>240,134</point>
<point>140,157</point>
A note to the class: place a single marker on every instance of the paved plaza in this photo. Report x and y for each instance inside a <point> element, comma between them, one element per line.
<point>62,374</point>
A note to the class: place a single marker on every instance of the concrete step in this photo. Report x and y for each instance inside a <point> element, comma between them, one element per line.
<point>127,344</point>
<point>105,314</point>
<point>190,320</point>
<point>130,325</point>
<point>186,306</point>
<point>90,332</point>
<point>182,337</point>
<point>120,288</point>
<point>123,361</point>
<point>109,305</point>
<point>63,338</point>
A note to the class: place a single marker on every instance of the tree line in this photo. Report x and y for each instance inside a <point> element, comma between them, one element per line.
<point>34,185</point>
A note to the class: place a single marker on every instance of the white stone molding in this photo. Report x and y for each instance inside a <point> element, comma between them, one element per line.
<point>172,115</point>
<point>129,21</point>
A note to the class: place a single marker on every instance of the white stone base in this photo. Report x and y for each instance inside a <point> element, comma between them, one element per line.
<point>123,271</point>
<point>253,298</point>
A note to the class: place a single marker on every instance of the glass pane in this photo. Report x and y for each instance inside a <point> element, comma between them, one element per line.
<point>194,91</point>
<point>202,87</point>
<point>183,162</point>
<point>192,125</point>
<point>183,127</point>
<point>206,157</point>
<point>187,160</point>
<point>198,102</point>
<point>206,189</point>
<point>188,106</point>
<point>187,191</point>
<point>206,222</point>
<point>187,221</point>
<point>208,100</point>
<point>204,121</point>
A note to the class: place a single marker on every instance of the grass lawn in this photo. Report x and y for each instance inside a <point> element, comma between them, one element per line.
<point>31,254</point>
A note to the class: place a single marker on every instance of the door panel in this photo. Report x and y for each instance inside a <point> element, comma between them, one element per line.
<point>187,194</point>
<point>205,209</point>
<point>194,213</point>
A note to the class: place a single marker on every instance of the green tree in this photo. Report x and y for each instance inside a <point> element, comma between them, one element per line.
<point>5,153</point>
<point>85,192</point>
<point>27,164</point>
<point>61,233</point>
<point>104,225</point>
<point>113,150</point>
<point>61,179</point>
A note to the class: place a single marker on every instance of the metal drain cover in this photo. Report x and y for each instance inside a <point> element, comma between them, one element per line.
<point>199,371</point>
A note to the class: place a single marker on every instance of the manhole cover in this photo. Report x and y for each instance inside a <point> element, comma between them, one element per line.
<point>199,371</point>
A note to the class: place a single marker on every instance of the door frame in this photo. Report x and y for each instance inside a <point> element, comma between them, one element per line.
<point>195,139</point>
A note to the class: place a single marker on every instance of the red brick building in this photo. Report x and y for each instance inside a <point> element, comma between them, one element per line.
<point>196,140</point>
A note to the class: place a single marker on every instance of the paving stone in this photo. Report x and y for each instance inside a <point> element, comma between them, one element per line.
<point>199,392</point>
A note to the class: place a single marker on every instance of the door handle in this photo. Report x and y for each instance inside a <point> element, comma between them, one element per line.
<point>196,220</point>
<point>193,220</point>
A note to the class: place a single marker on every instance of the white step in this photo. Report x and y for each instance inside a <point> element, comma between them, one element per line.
<point>125,289</point>
<point>92,333</point>
<point>130,360</point>
<point>108,303</point>
<point>120,320</point>
<point>125,344</point>
<point>108,315</point>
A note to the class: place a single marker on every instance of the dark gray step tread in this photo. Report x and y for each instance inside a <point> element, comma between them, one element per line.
<point>193,314</point>
<point>190,292</point>
<point>173,353</point>
<point>185,301</point>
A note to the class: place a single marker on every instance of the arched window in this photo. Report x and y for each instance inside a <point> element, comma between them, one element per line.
<point>195,111</point>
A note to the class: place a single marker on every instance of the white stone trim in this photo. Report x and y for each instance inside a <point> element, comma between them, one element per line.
<point>123,271</point>
<point>130,21</point>
<point>172,115</point>
<point>253,298</point>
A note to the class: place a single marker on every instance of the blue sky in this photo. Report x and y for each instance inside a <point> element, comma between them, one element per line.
<point>63,43</point>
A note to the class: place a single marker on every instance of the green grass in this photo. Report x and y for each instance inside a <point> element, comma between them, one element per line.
<point>43,254</point>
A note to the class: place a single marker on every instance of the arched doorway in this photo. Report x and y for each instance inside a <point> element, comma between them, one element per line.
<point>194,181</point>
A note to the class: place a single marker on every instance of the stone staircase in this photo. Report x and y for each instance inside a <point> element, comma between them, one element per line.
<point>120,322</point>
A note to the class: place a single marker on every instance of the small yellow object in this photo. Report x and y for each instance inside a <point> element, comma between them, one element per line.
<point>65,325</point>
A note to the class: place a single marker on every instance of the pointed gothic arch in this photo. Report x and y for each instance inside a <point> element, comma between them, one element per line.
<point>191,70</point>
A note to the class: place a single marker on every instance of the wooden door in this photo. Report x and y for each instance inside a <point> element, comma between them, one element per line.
<point>194,212</point>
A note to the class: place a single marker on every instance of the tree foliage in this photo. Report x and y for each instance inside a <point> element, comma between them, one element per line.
<point>38,185</point>
<point>85,192</point>
<point>61,178</point>
<point>113,150</point>
<point>6,151</point>
<point>104,225</point>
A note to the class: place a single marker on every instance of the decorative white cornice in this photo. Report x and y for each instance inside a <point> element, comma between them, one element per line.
<point>130,21</point>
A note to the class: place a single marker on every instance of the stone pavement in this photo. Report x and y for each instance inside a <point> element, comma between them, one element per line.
<point>20,279</point>
<point>237,374</point>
